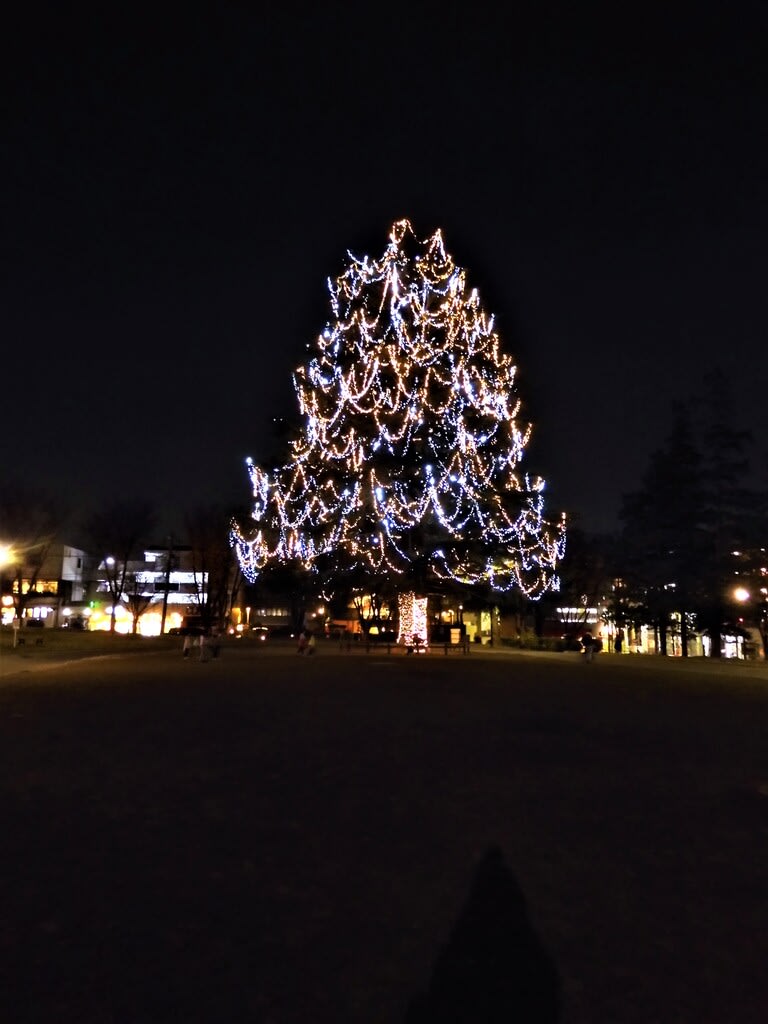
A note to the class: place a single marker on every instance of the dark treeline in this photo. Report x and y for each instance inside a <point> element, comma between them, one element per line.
<point>691,534</point>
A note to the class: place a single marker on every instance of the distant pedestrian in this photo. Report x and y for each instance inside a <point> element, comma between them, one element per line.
<point>215,642</point>
<point>311,644</point>
<point>204,648</point>
<point>588,643</point>
<point>302,643</point>
<point>187,646</point>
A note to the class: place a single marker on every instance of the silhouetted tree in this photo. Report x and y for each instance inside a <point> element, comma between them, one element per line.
<point>732,508</point>
<point>216,571</point>
<point>586,575</point>
<point>116,534</point>
<point>695,508</point>
<point>664,539</point>
<point>137,600</point>
<point>31,521</point>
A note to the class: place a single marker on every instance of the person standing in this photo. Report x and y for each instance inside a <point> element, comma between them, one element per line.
<point>187,646</point>
<point>588,644</point>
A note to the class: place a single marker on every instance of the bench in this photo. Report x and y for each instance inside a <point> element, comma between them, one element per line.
<point>462,645</point>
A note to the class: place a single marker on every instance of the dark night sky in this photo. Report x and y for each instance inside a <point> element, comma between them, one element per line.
<point>176,190</point>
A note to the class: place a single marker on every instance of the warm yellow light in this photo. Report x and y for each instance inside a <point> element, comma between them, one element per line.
<point>413,618</point>
<point>741,594</point>
<point>149,624</point>
<point>102,620</point>
<point>6,554</point>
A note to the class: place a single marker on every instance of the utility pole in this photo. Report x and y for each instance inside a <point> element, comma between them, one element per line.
<point>168,560</point>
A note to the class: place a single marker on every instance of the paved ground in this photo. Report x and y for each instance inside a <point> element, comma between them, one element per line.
<point>274,839</point>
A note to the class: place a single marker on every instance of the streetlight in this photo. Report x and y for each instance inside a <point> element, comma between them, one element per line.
<point>742,595</point>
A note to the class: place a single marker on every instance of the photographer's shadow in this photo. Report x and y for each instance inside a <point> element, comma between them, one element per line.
<point>494,966</point>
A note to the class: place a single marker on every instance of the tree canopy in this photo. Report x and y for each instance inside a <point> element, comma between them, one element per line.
<point>409,460</point>
<point>696,521</point>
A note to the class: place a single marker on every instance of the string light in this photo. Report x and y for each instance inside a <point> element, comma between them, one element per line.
<point>412,617</point>
<point>411,432</point>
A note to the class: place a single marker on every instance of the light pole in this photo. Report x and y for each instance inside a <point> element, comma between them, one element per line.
<point>166,588</point>
<point>6,557</point>
<point>742,595</point>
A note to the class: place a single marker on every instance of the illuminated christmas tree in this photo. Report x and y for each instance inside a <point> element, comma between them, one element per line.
<point>411,444</point>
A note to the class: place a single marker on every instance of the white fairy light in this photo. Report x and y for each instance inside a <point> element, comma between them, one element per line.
<point>410,417</point>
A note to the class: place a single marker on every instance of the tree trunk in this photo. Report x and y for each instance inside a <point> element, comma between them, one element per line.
<point>684,634</point>
<point>715,637</point>
<point>714,626</point>
<point>662,648</point>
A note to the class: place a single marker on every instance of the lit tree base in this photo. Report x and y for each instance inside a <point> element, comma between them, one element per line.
<point>412,612</point>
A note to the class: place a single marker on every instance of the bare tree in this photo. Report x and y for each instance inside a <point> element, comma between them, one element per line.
<point>137,600</point>
<point>217,574</point>
<point>116,533</point>
<point>31,521</point>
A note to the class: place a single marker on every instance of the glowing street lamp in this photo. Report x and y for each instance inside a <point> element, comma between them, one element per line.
<point>741,594</point>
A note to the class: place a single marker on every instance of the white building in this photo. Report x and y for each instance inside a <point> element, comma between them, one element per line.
<point>165,594</point>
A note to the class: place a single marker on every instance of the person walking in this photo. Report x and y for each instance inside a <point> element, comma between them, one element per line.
<point>204,649</point>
